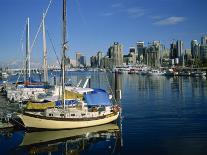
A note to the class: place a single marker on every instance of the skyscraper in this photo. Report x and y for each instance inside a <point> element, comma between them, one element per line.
<point>179,45</point>
<point>140,50</point>
<point>115,52</point>
<point>99,57</point>
<point>203,49</point>
<point>194,49</point>
<point>204,40</point>
<point>78,56</point>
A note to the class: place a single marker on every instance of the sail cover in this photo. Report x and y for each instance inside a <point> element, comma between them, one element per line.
<point>97,97</point>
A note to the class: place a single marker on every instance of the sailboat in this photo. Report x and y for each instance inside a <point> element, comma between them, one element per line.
<point>79,107</point>
<point>23,91</point>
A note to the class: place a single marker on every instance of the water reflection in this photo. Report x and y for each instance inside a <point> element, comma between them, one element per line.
<point>104,139</point>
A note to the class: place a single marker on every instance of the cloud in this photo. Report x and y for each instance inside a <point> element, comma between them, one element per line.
<point>136,12</point>
<point>170,21</point>
<point>106,14</point>
<point>155,17</point>
<point>116,5</point>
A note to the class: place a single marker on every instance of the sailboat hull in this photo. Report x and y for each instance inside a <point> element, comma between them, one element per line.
<point>44,123</point>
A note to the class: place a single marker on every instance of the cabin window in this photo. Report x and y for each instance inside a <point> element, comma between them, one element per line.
<point>61,115</point>
<point>50,114</point>
<point>72,115</point>
<point>83,114</point>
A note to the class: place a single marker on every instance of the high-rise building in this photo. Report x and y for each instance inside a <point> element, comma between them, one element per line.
<point>173,51</point>
<point>83,61</point>
<point>204,40</point>
<point>179,45</point>
<point>99,58</point>
<point>93,61</point>
<point>203,49</point>
<point>78,56</point>
<point>195,49</point>
<point>80,60</point>
<point>115,52</point>
<point>140,50</point>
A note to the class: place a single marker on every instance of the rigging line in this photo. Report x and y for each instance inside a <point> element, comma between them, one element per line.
<point>40,27</point>
<point>53,46</point>
<point>22,48</point>
<point>111,89</point>
<point>80,12</point>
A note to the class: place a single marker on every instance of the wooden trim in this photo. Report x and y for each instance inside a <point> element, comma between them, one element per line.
<point>70,119</point>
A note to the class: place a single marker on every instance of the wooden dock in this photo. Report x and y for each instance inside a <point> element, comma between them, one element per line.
<point>5,125</point>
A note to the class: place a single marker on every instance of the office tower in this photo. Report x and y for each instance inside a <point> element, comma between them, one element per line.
<point>173,51</point>
<point>115,52</point>
<point>203,49</point>
<point>78,56</point>
<point>179,45</point>
<point>83,61</point>
<point>99,58</point>
<point>195,49</point>
<point>204,40</point>
<point>140,50</point>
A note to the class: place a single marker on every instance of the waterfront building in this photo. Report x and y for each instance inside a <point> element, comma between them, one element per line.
<point>107,63</point>
<point>96,61</point>
<point>78,55</point>
<point>140,50</point>
<point>179,45</point>
<point>203,53</point>
<point>99,58</point>
<point>93,61</point>
<point>152,54</point>
<point>130,59</point>
<point>173,52</point>
<point>195,49</point>
<point>204,40</point>
<point>115,53</point>
<point>80,60</point>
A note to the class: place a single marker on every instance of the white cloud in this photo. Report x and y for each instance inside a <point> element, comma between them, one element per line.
<point>116,5</point>
<point>136,12</point>
<point>170,20</point>
<point>106,14</point>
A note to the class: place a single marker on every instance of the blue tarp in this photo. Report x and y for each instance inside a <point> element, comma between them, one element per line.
<point>67,102</point>
<point>97,97</point>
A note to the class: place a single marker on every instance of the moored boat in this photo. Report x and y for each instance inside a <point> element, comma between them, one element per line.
<point>89,108</point>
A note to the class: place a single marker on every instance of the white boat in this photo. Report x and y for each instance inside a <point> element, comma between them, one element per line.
<point>23,91</point>
<point>77,110</point>
<point>155,72</point>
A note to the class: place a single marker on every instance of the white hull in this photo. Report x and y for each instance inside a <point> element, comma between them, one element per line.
<point>43,123</point>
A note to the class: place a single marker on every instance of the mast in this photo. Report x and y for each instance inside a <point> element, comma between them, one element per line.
<point>63,53</point>
<point>27,52</point>
<point>44,51</point>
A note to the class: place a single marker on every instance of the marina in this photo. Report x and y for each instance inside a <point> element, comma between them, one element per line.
<point>145,98</point>
<point>159,115</point>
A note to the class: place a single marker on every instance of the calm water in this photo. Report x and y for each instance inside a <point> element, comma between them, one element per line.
<point>160,115</point>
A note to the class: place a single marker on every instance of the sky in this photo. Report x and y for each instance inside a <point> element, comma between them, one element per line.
<point>93,25</point>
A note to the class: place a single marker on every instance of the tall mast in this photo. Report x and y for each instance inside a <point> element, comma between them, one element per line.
<point>27,52</point>
<point>63,53</point>
<point>44,51</point>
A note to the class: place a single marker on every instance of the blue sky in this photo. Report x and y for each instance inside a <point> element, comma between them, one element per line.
<point>94,25</point>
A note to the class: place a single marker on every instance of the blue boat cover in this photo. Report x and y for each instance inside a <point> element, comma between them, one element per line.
<point>67,102</point>
<point>97,97</point>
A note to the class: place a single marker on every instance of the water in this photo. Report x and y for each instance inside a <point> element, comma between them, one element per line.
<point>160,115</point>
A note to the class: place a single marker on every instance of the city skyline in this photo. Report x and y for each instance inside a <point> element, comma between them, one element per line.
<point>94,25</point>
